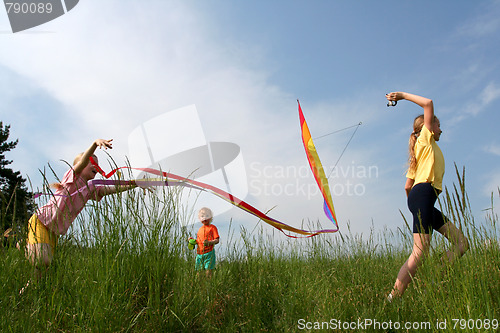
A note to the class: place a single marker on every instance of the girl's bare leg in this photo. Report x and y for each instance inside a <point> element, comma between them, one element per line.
<point>421,244</point>
<point>455,236</point>
<point>40,256</point>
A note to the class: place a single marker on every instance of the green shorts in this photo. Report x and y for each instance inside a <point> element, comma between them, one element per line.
<point>205,261</point>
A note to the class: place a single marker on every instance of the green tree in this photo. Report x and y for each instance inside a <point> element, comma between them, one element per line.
<point>16,202</point>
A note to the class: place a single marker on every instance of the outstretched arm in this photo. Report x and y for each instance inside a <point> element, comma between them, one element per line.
<point>84,160</point>
<point>106,190</point>
<point>424,102</point>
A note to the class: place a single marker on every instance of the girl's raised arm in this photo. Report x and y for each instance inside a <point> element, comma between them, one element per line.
<point>84,160</point>
<point>424,102</point>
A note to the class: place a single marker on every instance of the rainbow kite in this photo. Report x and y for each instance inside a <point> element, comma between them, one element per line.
<point>169,179</point>
<point>317,169</point>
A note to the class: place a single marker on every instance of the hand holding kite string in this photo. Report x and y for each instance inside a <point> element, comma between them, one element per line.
<point>393,98</point>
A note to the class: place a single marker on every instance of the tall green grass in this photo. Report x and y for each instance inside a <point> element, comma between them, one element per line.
<point>126,268</point>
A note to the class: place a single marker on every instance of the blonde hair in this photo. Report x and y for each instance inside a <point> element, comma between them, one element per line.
<point>58,186</point>
<point>418,124</point>
<point>206,210</point>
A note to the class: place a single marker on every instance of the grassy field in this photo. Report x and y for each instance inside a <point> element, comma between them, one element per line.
<point>124,275</point>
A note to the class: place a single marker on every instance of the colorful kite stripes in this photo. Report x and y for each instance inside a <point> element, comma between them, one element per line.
<point>317,169</point>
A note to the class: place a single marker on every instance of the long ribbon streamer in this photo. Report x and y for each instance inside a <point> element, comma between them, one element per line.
<point>170,179</point>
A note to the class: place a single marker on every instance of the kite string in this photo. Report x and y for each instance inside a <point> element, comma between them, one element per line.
<point>343,151</point>
<point>337,131</point>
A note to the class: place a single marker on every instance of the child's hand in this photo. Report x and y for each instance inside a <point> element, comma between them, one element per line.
<point>101,143</point>
<point>395,96</point>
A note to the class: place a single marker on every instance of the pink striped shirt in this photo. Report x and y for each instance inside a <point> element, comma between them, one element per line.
<point>68,202</point>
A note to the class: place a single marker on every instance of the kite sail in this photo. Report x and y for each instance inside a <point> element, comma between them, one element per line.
<point>317,169</point>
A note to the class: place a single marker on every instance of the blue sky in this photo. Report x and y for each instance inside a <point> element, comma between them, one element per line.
<point>106,67</point>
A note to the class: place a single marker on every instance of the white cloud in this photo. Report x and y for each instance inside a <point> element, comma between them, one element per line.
<point>487,23</point>
<point>493,148</point>
<point>490,93</point>
<point>113,65</point>
<point>492,184</point>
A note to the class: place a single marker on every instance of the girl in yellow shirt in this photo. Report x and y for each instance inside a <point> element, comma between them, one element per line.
<point>423,185</point>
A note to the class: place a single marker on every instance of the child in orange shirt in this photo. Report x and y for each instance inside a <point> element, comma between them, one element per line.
<point>206,238</point>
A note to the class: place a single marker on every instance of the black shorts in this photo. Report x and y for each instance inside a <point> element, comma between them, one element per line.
<point>421,202</point>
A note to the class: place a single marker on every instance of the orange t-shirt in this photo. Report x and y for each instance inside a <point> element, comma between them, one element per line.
<point>206,232</point>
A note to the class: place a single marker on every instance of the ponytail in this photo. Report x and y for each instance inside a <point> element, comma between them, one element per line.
<point>418,123</point>
<point>56,186</point>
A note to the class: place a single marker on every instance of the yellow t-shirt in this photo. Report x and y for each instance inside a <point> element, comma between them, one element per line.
<point>430,161</point>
